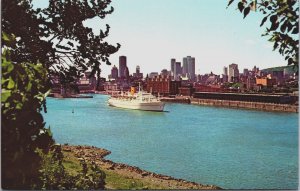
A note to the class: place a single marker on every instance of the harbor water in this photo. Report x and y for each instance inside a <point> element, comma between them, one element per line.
<point>230,148</point>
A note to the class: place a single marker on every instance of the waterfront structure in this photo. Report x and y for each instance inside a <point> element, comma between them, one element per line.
<point>233,74</point>
<point>163,85</point>
<point>114,72</point>
<point>208,88</point>
<point>122,66</point>
<point>281,99</point>
<point>265,81</point>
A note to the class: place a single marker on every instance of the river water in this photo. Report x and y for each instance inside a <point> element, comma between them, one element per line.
<point>230,148</point>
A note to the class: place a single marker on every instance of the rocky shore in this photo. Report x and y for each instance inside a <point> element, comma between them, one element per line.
<point>96,155</point>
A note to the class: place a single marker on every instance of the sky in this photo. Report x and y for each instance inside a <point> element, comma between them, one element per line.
<point>151,32</point>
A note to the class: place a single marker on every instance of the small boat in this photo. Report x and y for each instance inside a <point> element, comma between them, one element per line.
<point>138,101</point>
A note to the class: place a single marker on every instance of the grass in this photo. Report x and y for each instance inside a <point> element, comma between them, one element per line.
<point>113,180</point>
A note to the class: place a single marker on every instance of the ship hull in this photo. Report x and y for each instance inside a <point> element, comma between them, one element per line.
<point>145,106</point>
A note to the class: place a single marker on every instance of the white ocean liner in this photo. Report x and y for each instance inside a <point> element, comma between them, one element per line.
<point>140,101</point>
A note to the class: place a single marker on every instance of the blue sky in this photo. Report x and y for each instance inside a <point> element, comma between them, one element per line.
<point>151,32</point>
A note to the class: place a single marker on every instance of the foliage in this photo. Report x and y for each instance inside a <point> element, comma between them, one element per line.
<point>56,36</point>
<point>55,177</point>
<point>38,44</point>
<point>283,29</point>
<point>24,88</point>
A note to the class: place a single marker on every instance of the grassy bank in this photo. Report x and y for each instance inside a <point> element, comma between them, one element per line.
<point>113,180</point>
<point>121,176</point>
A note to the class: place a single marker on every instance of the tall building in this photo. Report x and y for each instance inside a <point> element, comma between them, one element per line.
<point>122,66</point>
<point>184,66</point>
<point>233,74</point>
<point>225,71</point>
<point>114,72</point>
<point>173,61</point>
<point>126,72</point>
<point>177,70</point>
<point>138,73</point>
<point>246,72</point>
<point>191,67</point>
<point>225,74</point>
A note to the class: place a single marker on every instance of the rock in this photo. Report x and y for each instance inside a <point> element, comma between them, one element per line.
<point>67,149</point>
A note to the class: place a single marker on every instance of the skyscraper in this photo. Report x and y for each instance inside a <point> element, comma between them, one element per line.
<point>233,73</point>
<point>184,66</point>
<point>114,72</point>
<point>177,70</point>
<point>173,60</point>
<point>122,66</point>
<point>126,72</point>
<point>225,71</point>
<point>138,73</point>
<point>189,67</point>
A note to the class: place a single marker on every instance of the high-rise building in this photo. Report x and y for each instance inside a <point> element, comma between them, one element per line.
<point>177,70</point>
<point>114,72</point>
<point>173,61</point>
<point>246,72</point>
<point>225,74</point>
<point>184,66</point>
<point>122,66</point>
<point>191,67</point>
<point>233,73</point>
<point>225,71</point>
<point>137,73</point>
<point>126,72</point>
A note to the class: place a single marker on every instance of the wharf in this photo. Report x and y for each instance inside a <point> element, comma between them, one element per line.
<point>246,105</point>
<point>176,99</point>
<point>57,95</point>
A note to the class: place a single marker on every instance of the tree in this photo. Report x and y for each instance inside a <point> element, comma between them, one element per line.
<point>37,44</point>
<point>283,28</point>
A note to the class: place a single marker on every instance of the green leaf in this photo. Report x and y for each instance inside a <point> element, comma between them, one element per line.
<point>7,66</point>
<point>29,86</point>
<point>246,11</point>
<point>5,94</point>
<point>11,83</point>
<point>5,36</point>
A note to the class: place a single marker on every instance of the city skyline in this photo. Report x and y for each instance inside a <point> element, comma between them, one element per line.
<point>151,33</point>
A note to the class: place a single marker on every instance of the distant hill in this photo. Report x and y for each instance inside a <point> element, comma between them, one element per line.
<point>290,69</point>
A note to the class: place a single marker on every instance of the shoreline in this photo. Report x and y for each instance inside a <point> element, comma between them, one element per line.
<point>97,155</point>
<point>260,106</point>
